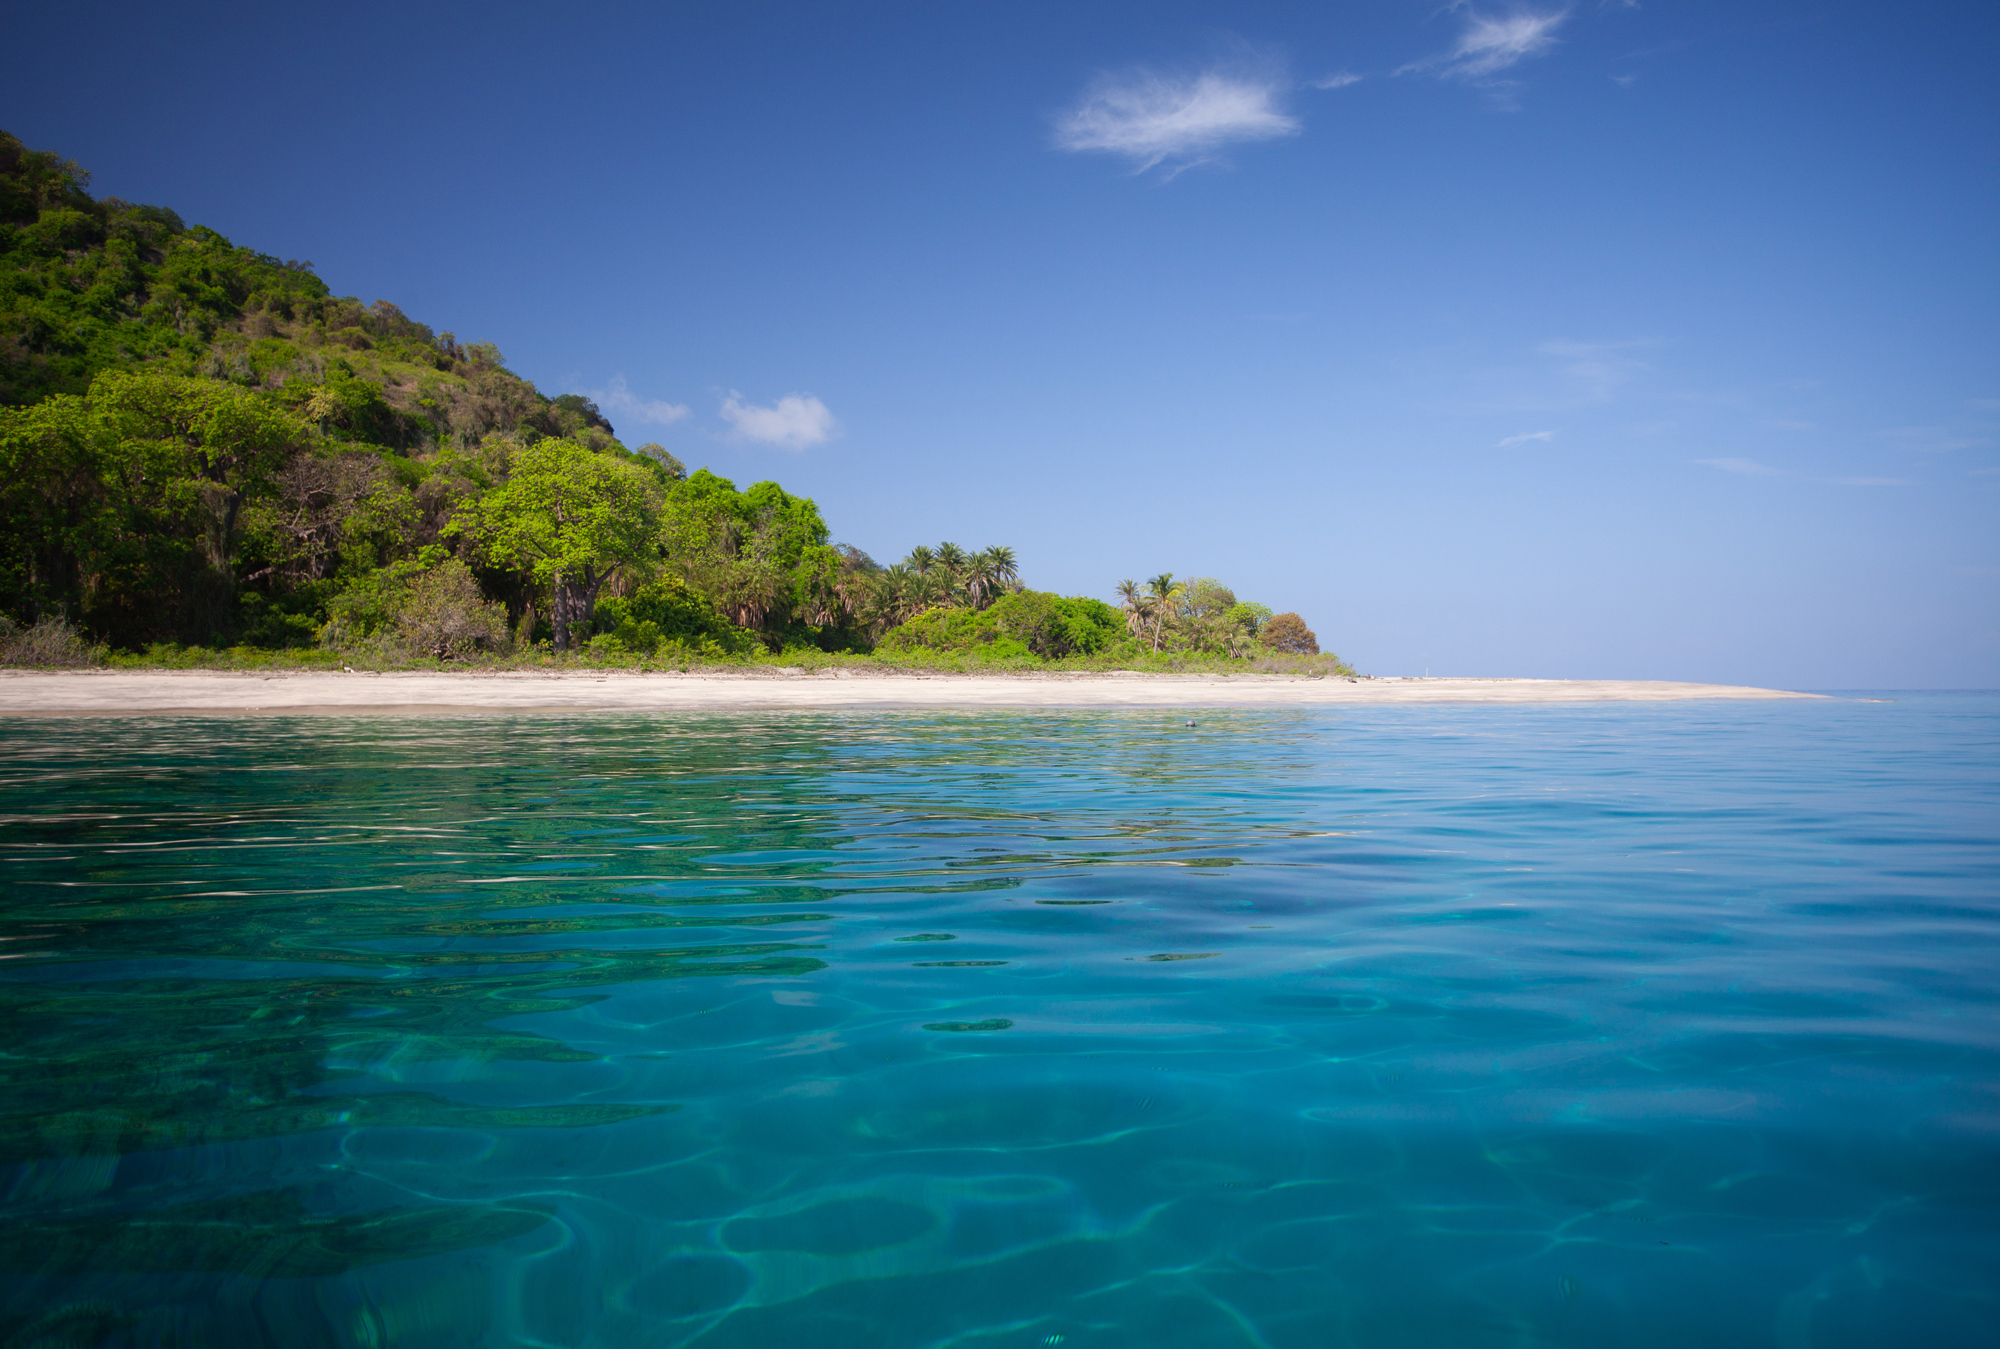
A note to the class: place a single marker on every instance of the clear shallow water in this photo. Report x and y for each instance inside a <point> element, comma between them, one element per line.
<point>1617,1025</point>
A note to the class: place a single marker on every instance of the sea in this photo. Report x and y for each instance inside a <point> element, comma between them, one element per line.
<point>1592,1025</point>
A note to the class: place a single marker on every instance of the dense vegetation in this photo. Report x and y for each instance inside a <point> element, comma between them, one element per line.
<point>201,447</point>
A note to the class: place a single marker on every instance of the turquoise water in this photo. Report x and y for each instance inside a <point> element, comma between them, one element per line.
<point>1594,1026</point>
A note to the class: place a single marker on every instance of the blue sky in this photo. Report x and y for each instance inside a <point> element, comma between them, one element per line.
<point>1598,340</point>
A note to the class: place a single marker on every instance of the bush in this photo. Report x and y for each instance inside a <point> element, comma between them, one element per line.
<point>1045,625</point>
<point>431,606</point>
<point>1031,618</point>
<point>444,616</point>
<point>670,613</point>
<point>1089,626</point>
<point>948,629</point>
<point>49,644</point>
<point>1003,649</point>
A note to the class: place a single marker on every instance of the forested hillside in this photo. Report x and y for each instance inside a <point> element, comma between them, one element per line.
<point>202,446</point>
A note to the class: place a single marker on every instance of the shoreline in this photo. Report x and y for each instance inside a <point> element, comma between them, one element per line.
<point>121,693</point>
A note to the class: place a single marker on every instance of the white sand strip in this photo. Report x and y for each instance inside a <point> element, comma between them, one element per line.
<point>211,693</point>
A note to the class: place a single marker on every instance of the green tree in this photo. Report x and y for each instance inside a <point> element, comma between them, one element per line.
<point>55,514</point>
<point>207,448</point>
<point>669,610</point>
<point>1200,615</point>
<point>953,562</point>
<point>673,467</point>
<point>1161,596</point>
<point>1136,607</point>
<point>1244,621</point>
<point>757,553</point>
<point>990,573</point>
<point>569,518</point>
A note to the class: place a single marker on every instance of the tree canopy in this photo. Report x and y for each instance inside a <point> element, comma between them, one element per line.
<point>570,519</point>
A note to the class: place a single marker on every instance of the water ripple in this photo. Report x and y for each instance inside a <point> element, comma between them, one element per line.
<point>1585,1025</point>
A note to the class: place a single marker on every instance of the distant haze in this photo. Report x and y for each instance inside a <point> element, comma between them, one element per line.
<point>1602,341</point>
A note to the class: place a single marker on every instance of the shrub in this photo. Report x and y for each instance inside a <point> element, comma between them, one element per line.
<point>1046,625</point>
<point>444,616</point>
<point>1089,625</point>
<point>49,644</point>
<point>1031,618</point>
<point>945,629</point>
<point>431,606</point>
<point>671,613</point>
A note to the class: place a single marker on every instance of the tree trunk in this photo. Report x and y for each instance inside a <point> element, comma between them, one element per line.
<point>575,603</point>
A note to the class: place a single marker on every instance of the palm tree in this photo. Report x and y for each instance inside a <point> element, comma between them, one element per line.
<point>894,597</point>
<point>980,580</point>
<point>920,560</point>
<point>951,560</point>
<point>855,583</point>
<point>1137,608</point>
<point>1005,567</point>
<point>1162,592</point>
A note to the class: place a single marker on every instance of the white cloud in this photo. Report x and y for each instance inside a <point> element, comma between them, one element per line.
<point>1152,118</point>
<point>1749,467</point>
<point>1490,45</point>
<point>1340,79</point>
<point>618,400</point>
<point>1599,368</point>
<point>1935,439</point>
<point>795,421</point>
<point>1525,438</point>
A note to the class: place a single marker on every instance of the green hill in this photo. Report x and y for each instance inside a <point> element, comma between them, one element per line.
<point>121,327</point>
<point>202,446</point>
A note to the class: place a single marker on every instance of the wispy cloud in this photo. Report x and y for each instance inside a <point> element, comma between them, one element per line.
<point>1525,437</point>
<point>1599,367</point>
<point>1340,79</point>
<point>796,421</point>
<point>1747,467</point>
<point>617,399</point>
<point>1152,119</point>
<point>1558,377</point>
<point>1936,439</point>
<point>1490,44</point>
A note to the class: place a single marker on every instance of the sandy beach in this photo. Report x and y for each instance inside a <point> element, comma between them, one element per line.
<point>213,693</point>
